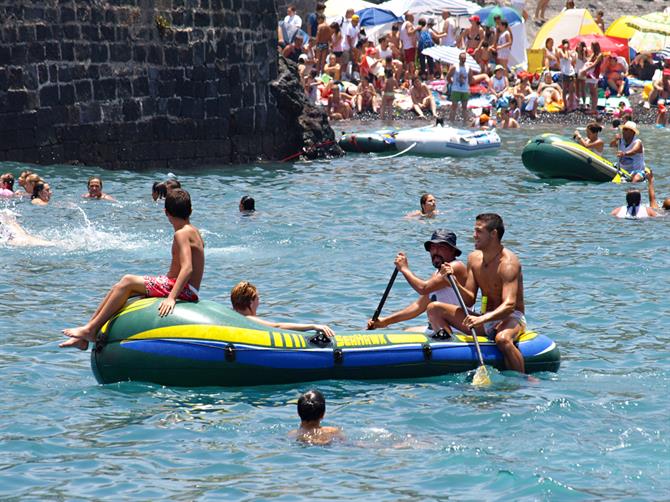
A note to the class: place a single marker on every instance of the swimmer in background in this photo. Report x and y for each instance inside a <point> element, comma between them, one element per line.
<point>247,205</point>
<point>29,184</point>
<point>13,234</point>
<point>592,141</point>
<point>22,183</point>
<point>41,194</point>
<point>7,185</point>
<point>311,410</point>
<point>94,186</point>
<point>160,189</point>
<point>653,203</point>
<point>182,280</point>
<point>428,204</point>
<point>634,208</point>
<point>245,299</point>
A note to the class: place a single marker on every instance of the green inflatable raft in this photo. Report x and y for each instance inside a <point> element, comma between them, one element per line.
<point>367,142</point>
<point>206,344</point>
<point>554,156</point>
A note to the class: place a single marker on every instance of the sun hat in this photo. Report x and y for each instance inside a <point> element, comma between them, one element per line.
<point>632,126</point>
<point>443,236</point>
<point>499,67</point>
<point>474,19</point>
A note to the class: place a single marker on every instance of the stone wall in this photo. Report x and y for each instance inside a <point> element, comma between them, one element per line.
<point>140,83</point>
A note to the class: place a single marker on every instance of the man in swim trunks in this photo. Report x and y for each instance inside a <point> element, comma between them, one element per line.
<point>422,98</point>
<point>495,271</point>
<point>442,249</point>
<point>94,186</point>
<point>181,282</point>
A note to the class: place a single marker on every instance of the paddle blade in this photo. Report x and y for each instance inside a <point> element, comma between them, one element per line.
<point>617,179</point>
<point>481,377</point>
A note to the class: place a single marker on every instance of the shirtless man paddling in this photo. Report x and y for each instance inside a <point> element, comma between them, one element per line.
<point>495,271</point>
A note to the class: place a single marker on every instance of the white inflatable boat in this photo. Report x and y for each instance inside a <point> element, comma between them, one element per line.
<point>441,141</point>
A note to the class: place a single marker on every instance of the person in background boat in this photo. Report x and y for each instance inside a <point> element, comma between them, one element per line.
<point>41,194</point>
<point>181,282</point>
<point>13,234</point>
<point>428,205</point>
<point>245,299</point>
<point>311,410</point>
<point>460,78</point>
<point>506,121</point>
<point>159,190</point>
<point>496,271</point>
<point>247,205</point>
<point>634,207</point>
<point>422,98</point>
<point>94,186</point>
<point>442,248</point>
<point>592,141</point>
<point>653,203</point>
<point>630,151</point>
<point>7,185</point>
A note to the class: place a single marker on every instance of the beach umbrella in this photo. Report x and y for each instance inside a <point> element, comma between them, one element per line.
<point>648,42</point>
<point>487,14</point>
<point>664,54</point>
<point>450,55</point>
<point>373,16</point>
<point>569,23</point>
<point>656,22</point>
<point>619,28</point>
<point>455,7</point>
<point>618,46</point>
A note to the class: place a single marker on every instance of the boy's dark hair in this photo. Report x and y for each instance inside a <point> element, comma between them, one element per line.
<point>311,406</point>
<point>248,203</point>
<point>492,221</point>
<point>39,186</point>
<point>178,203</point>
<point>162,188</point>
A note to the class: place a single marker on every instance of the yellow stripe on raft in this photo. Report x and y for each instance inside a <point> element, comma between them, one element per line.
<point>137,305</point>
<point>414,338</point>
<point>582,149</point>
<point>523,337</point>
<point>229,334</point>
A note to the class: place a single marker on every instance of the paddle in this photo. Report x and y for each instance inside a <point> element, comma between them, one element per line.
<point>481,375</point>
<point>375,316</point>
<point>620,171</point>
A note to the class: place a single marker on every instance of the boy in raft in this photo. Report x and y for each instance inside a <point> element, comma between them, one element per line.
<point>497,272</point>
<point>181,282</point>
<point>245,299</point>
<point>311,410</point>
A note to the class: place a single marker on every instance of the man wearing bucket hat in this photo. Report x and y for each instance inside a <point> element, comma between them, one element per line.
<point>442,248</point>
<point>630,151</point>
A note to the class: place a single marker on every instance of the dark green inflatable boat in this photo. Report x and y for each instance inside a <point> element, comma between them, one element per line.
<point>554,156</point>
<point>206,344</point>
<point>367,142</point>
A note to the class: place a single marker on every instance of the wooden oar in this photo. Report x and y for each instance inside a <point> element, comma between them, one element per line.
<point>481,375</point>
<point>375,316</point>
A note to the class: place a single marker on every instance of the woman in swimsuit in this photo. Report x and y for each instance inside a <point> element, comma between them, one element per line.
<point>390,85</point>
<point>336,41</point>
<point>503,46</point>
<point>333,68</point>
<point>473,36</point>
<point>366,97</point>
<point>41,194</point>
<point>550,61</point>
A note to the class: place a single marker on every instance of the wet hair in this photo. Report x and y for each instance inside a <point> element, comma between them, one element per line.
<point>8,178</point>
<point>178,203</point>
<point>633,199</point>
<point>37,189</point>
<point>33,178</point>
<point>666,204</point>
<point>25,173</point>
<point>161,188</point>
<point>311,406</point>
<point>248,203</point>
<point>492,221</point>
<point>594,127</point>
<point>88,183</point>
<point>423,200</point>
<point>242,294</point>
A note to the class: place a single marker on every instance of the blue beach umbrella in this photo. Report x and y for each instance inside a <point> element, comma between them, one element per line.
<point>664,54</point>
<point>507,13</point>
<point>373,16</point>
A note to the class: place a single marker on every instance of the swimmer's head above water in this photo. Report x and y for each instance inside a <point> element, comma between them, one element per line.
<point>160,189</point>
<point>94,186</point>
<point>247,204</point>
<point>311,406</point>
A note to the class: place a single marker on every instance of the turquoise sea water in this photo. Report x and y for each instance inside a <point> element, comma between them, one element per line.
<point>321,248</point>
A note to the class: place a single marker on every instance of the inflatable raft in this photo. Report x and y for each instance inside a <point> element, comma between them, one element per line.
<point>437,141</point>
<point>554,156</point>
<point>206,344</point>
<point>367,142</point>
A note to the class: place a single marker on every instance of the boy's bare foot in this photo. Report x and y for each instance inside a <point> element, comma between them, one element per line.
<point>79,343</point>
<point>81,332</point>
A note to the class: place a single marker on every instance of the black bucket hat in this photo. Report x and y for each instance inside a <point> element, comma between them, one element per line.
<point>443,236</point>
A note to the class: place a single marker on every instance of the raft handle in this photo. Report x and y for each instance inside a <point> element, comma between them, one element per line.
<point>338,355</point>
<point>320,339</point>
<point>230,352</point>
<point>427,352</point>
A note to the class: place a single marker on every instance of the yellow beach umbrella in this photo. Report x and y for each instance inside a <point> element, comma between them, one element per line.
<point>656,22</point>
<point>620,28</point>
<point>568,24</point>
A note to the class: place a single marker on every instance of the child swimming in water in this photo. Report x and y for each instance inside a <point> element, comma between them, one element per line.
<point>311,410</point>
<point>181,282</point>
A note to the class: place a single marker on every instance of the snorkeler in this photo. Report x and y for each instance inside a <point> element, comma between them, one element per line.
<point>94,186</point>
<point>311,410</point>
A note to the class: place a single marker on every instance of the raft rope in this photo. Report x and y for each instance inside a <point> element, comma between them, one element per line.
<point>306,150</point>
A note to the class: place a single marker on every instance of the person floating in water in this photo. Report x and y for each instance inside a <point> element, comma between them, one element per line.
<point>245,299</point>
<point>94,186</point>
<point>181,282</point>
<point>13,234</point>
<point>428,204</point>
<point>247,204</point>
<point>41,193</point>
<point>311,410</point>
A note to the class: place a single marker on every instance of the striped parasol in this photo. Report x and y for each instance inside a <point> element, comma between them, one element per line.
<point>450,55</point>
<point>664,54</point>
<point>656,22</point>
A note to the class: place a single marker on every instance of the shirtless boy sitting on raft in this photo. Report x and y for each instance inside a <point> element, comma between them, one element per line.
<point>181,282</point>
